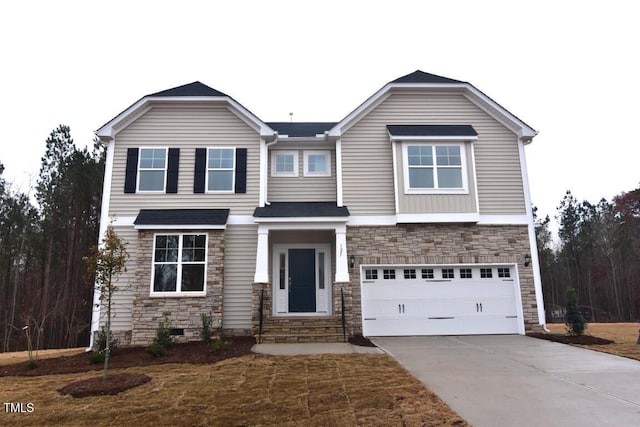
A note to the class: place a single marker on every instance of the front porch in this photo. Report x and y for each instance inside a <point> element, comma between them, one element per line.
<point>301,286</point>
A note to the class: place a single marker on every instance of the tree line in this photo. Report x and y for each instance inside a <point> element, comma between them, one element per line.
<point>44,289</point>
<point>597,253</point>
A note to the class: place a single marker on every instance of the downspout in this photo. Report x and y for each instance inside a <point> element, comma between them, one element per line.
<point>265,165</point>
<point>104,221</point>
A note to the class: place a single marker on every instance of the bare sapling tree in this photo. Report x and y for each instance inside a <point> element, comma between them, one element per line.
<point>106,262</point>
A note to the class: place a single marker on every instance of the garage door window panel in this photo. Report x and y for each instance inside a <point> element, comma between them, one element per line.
<point>447,273</point>
<point>388,274</point>
<point>486,273</point>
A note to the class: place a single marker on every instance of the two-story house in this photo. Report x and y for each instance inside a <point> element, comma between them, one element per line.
<point>410,216</point>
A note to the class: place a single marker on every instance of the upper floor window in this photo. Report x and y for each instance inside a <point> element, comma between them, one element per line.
<point>152,169</point>
<point>220,169</point>
<point>317,163</point>
<point>284,163</point>
<point>434,168</point>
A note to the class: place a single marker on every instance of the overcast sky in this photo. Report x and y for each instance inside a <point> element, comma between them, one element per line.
<point>567,68</point>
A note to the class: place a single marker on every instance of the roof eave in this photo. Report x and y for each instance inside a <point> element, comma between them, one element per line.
<point>108,131</point>
<point>523,130</point>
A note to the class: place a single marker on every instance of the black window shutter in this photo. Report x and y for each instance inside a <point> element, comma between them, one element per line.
<point>241,170</point>
<point>200,170</point>
<point>172,170</point>
<point>131,171</point>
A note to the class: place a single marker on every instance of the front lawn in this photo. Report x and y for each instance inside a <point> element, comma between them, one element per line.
<point>325,390</point>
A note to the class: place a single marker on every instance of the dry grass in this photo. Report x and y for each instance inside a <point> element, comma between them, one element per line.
<point>23,356</point>
<point>327,390</point>
<point>624,336</point>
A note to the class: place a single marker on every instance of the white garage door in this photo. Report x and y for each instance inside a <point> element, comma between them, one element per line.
<point>440,300</point>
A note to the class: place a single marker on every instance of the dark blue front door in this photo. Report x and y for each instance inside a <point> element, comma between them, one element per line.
<point>302,280</point>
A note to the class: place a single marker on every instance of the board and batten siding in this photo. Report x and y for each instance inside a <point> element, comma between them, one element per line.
<point>241,242</point>
<point>435,203</point>
<point>302,188</point>
<point>367,158</point>
<point>186,127</point>
<point>122,298</point>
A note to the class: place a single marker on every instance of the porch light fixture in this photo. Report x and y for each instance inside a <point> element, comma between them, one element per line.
<point>352,261</point>
<point>527,260</point>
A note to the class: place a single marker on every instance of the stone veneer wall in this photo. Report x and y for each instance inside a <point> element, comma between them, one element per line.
<point>183,312</point>
<point>440,244</point>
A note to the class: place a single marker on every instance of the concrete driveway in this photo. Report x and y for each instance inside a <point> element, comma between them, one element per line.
<point>512,380</point>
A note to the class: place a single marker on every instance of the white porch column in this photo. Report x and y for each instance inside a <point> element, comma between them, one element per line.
<point>342,266</point>
<point>262,256</point>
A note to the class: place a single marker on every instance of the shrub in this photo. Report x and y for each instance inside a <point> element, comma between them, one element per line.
<point>218,344</point>
<point>163,339</point>
<point>32,363</point>
<point>101,341</point>
<point>206,331</point>
<point>574,320</point>
<point>96,357</point>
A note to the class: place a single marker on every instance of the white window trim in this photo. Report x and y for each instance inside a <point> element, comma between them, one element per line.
<point>180,293</point>
<point>463,160</point>
<point>233,172</point>
<point>140,169</point>
<point>325,153</point>
<point>293,153</point>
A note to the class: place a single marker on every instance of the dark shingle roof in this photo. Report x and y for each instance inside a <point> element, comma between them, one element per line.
<point>432,130</point>
<point>422,77</point>
<point>300,209</point>
<point>190,89</point>
<point>182,217</point>
<point>301,129</point>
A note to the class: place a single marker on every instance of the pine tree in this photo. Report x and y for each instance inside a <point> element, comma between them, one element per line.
<point>574,320</point>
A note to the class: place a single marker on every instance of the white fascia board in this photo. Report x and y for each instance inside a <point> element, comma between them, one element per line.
<point>503,220</point>
<point>356,220</point>
<point>438,218</point>
<point>301,220</point>
<point>302,226</point>
<point>501,114</point>
<point>180,227</point>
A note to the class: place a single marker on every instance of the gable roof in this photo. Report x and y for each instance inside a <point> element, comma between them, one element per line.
<point>301,129</point>
<point>422,77</point>
<point>190,89</point>
<point>419,80</point>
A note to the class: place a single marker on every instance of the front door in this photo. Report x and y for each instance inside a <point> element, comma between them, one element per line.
<point>302,280</point>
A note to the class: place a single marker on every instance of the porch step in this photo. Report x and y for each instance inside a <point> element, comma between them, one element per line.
<point>296,329</point>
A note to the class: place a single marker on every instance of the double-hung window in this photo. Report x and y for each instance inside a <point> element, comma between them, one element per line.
<point>284,163</point>
<point>317,163</point>
<point>152,169</point>
<point>179,264</point>
<point>435,168</point>
<point>220,169</point>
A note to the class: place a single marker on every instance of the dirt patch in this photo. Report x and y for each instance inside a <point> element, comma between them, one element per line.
<point>96,386</point>
<point>571,339</point>
<point>125,357</point>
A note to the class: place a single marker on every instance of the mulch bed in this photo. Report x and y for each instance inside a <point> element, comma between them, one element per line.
<point>361,341</point>
<point>96,386</point>
<point>125,357</point>
<point>571,339</point>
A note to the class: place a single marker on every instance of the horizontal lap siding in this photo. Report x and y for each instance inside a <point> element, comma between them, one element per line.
<point>122,298</point>
<point>303,188</point>
<point>186,127</point>
<point>367,165</point>
<point>239,266</point>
